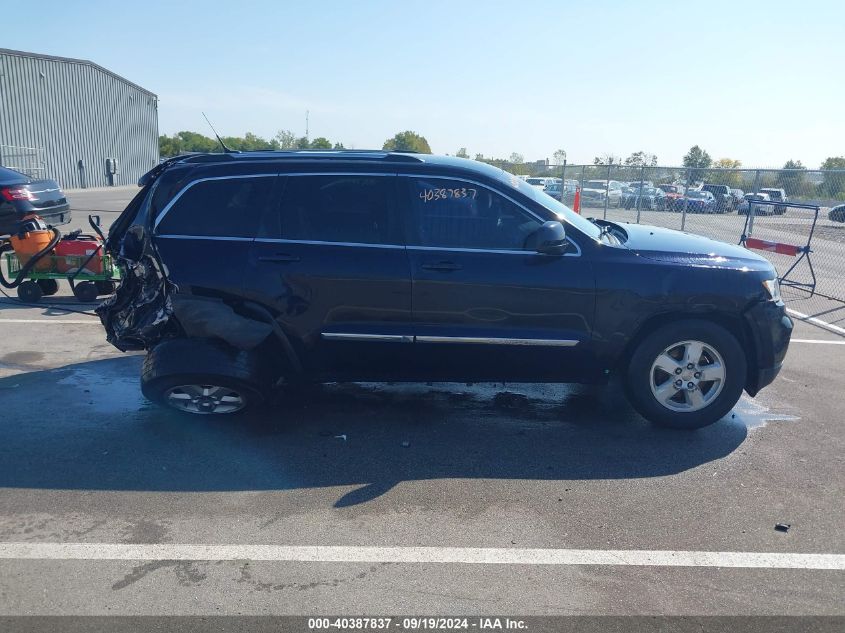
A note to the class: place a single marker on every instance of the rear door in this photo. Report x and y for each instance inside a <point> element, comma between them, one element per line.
<point>330,262</point>
<point>205,231</point>
<point>485,308</point>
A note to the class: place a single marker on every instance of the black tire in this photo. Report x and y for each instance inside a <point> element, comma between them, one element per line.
<point>178,363</point>
<point>85,291</point>
<point>639,373</point>
<point>30,292</point>
<point>48,286</point>
<point>105,287</point>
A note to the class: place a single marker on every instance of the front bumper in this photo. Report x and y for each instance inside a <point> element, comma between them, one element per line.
<point>770,329</point>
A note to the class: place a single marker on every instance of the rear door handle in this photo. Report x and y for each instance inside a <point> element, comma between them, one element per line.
<point>280,258</point>
<point>442,266</point>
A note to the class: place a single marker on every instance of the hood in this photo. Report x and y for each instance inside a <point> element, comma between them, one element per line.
<point>667,245</point>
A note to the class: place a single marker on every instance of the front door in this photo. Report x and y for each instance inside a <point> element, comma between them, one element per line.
<point>484,307</point>
<point>331,263</point>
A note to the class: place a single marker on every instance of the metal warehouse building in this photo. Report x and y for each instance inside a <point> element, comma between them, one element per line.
<point>74,121</point>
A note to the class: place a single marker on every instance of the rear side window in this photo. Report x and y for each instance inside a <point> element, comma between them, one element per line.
<point>336,208</point>
<point>225,207</point>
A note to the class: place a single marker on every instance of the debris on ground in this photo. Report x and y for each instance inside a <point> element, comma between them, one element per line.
<point>406,444</point>
<point>340,437</point>
<point>782,527</point>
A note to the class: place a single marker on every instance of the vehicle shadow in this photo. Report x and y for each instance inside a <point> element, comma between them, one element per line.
<point>87,427</point>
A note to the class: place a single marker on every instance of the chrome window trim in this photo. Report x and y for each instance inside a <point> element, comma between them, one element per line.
<point>278,240</point>
<point>476,340</point>
<point>217,238</point>
<point>492,340</point>
<point>504,195</point>
<point>382,338</point>
<point>176,198</point>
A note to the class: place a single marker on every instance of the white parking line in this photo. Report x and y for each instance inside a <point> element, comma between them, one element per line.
<point>442,555</point>
<point>815,321</point>
<point>91,321</point>
<point>812,340</point>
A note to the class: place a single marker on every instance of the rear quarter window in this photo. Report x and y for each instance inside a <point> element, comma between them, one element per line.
<point>219,207</point>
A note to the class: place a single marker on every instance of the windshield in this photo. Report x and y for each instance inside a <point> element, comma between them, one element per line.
<point>535,181</point>
<point>697,194</point>
<point>564,213</point>
<point>595,184</point>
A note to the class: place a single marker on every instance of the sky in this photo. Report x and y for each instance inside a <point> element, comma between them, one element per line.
<point>757,81</point>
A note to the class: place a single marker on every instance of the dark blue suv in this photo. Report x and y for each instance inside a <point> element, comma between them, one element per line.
<point>242,271</point>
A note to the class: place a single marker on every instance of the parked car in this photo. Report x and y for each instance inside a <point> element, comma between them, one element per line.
<point>563,192</point>
<point>722,195</point>
<point>243,271</point>
<point>697,201</point>
<point>594,193</point>
<point>21,195</point>
<point>837,213</point>
<point>650,198</point>
<point>759,209</point>
<point>776,195</point>
<point>539,183</point>
<point>737,195</point>
<point>674,193</point>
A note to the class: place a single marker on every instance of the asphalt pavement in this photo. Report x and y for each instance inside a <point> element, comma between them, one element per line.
<point>389,498</point>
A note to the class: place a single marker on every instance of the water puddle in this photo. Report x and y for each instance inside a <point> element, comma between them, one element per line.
<point>753,414</point>
<point>105,392</point>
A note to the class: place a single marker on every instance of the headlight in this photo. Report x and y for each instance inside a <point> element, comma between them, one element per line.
<point>772,288</point>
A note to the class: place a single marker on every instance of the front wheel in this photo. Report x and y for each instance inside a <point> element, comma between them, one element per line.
<point>686,375</point>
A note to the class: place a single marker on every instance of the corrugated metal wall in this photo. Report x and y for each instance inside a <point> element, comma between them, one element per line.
<point>74,110</point>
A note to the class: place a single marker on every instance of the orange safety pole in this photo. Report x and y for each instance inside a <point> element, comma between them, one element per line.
<point>576,203</point>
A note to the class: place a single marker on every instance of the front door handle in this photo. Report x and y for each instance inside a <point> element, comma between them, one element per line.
<point>442,266</point>
<point>280,258</point>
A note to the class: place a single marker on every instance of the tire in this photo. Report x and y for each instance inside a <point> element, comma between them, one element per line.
<point>30,292</point>
<point>48,286</point>
<point>678,408</point>
<point>104,287</point>
<point>85,291</point>
<point>203,377</point>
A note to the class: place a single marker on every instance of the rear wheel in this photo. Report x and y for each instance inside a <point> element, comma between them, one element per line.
<point>686,375</point>
<point>48,286</point>
<point>203,377</point>
<point>85,291</point>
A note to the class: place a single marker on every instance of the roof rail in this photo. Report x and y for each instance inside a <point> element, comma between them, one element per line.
<point>309,154</point>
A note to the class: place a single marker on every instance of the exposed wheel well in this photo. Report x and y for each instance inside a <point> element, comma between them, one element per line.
<point>733,323</point>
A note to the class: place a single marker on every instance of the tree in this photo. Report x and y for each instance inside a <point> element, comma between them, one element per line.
<point>697,158</point>
<point>641,159</point>
<point>727,174</point>
<point>695,161</point>
<point>338,145</point>
<point>321,143</point>
<point>407,141</point>
<point>302,143</point>
<point>607,159</point>
<point>286,139</point>
<point>462,153</point>
<point>559,157</point>
<point>833,184</point>
<point>793,180</point>
<point>516,158</point>
<point>479,157</point>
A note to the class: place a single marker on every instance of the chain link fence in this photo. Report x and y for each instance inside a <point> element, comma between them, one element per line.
<point>729,205</point>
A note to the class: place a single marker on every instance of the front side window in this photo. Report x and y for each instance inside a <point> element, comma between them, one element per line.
<point>457,214</point>
<point>336,208</point>
<point>222,207</point>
